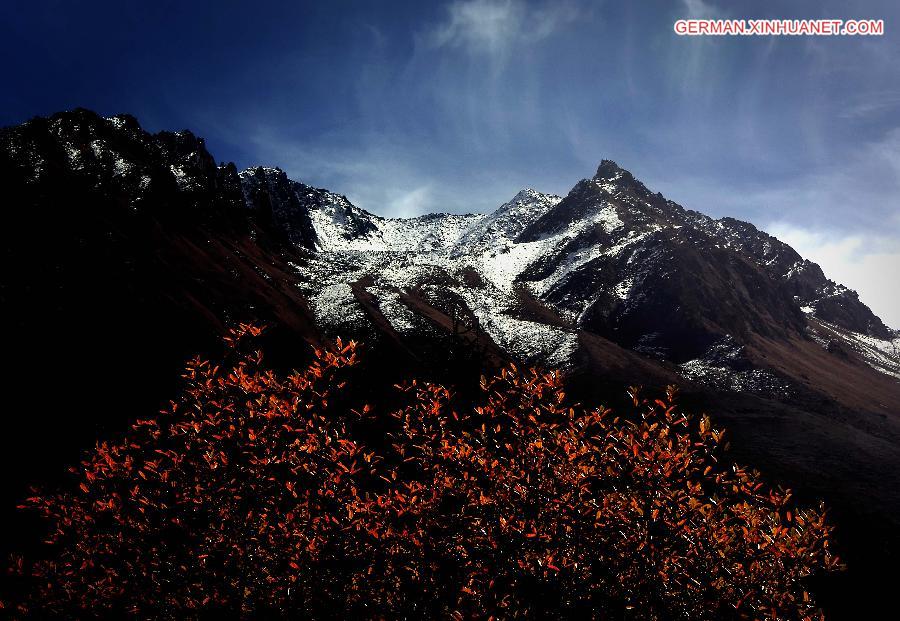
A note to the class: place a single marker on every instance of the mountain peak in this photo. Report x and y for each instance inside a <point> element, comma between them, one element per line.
<point>525,193</point>
<point>608,170</point>
<point>531,196</point>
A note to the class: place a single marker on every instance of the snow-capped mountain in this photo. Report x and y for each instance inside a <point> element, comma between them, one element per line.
<point>127,252</point>
<point>611,258</point>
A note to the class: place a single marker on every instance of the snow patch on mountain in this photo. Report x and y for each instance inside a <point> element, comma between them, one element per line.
<point>881,354</point>
<point>335,306</point>
<point>725,367</point>
<point>754,381</point>
<point>395,311</point>
<point>532,342</point>
<point>500,228</point>
<point>504,264</point>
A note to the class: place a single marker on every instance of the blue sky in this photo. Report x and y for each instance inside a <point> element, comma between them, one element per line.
<point>411,107</point>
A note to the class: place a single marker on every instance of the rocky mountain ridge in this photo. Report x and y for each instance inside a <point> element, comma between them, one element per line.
<point>611,257</point>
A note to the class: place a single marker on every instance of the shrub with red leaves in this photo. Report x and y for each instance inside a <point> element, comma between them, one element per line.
<point>255,495</point>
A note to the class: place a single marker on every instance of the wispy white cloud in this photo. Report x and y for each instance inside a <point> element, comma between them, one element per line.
<point>409,203</point>
<point>479,25</point>
<point>700,9</point>
<point>493,28</point>
<point>692,60</point>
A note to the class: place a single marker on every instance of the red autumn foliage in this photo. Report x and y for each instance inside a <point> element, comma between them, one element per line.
<point>257,494</point>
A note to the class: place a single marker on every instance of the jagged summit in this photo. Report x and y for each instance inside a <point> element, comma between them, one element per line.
<point>523,195</point>
<point>608,170</point>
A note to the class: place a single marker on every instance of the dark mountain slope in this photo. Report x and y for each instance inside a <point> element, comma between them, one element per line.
<point>124,255</point>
